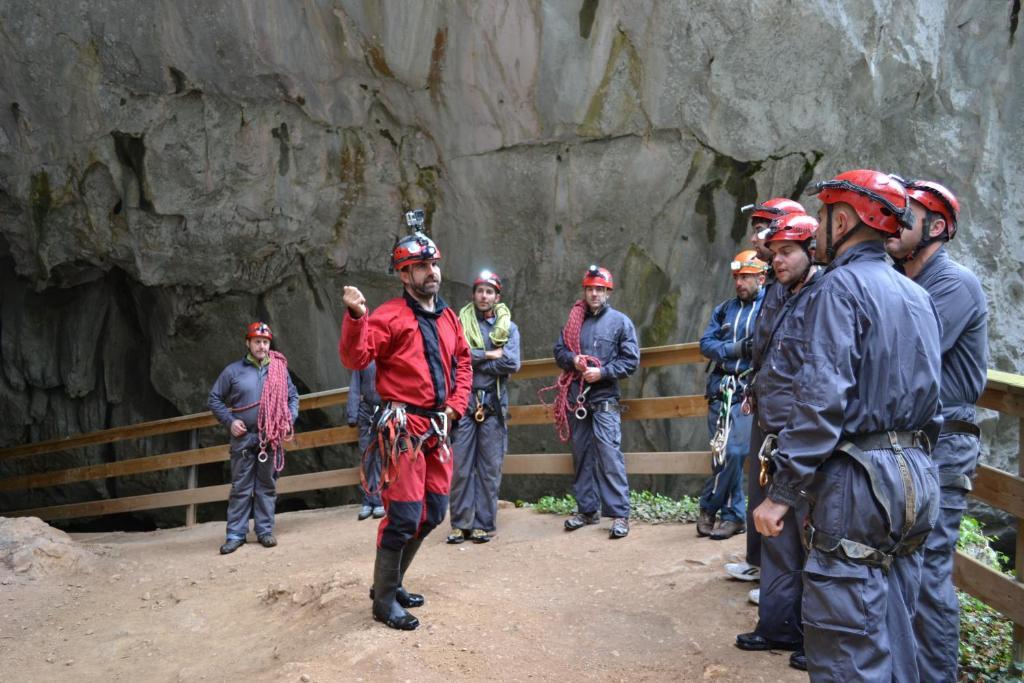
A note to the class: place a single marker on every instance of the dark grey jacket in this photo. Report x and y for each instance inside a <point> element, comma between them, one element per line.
<point>610,337</point>
<point>963,312</point>
<point>866,359</point>
<point>241,384</point>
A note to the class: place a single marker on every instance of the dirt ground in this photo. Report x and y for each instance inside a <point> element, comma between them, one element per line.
<point>535,603</point>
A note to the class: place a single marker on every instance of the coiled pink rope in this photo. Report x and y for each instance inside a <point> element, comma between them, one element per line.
<point>275,417</point>
<point>571,336</point>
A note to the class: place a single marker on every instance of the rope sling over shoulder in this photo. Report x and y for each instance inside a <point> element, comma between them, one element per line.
<point>274,420</point>
<point>560,407</point>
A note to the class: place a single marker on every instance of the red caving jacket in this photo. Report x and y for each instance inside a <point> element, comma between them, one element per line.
<point>422,357</point>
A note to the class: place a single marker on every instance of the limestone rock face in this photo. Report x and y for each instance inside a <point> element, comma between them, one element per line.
<point>171,171</point>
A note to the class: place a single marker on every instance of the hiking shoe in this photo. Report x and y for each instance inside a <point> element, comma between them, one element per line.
<point>231,545</point>
<point>754,596</point>
<point>741,571</point>
<point>727,529</point>
<point>364,512</point>
<point>456,536</point>
<point>705,523</point>
<point>268,540</point>
<point>798,660</point>
<point>581,519</point>
<point>479,536</point>
<point>755,642</point>
<point>378,511</point>
<point>620,528</point>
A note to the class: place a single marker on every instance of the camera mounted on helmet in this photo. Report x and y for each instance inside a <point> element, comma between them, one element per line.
<point>415,246</point>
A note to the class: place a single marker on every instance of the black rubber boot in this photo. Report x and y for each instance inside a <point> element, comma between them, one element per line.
<point>387,573</point>
<point>402,596</point>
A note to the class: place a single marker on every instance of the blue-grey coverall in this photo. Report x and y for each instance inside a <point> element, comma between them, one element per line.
<point>363,401</point>
<point>782,556</point>
<point>963,312</point>
<point>600,482</point>
<point>731,328</point>
<point>253,483</point>
<point>479,448</point>
<point>866,362</point>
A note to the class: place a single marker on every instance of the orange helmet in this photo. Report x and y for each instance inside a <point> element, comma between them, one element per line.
<point>598,277</point>
<point>747,262</point>
<point>773,208</point>
<point>486,277</point>
<point>259,329</point>
<point>414,247</point>
<point>793,227</point>
<point>879,200</point>
<point>936,198</point>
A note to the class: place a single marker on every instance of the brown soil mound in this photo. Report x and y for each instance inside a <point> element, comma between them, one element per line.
<point>535,603</point>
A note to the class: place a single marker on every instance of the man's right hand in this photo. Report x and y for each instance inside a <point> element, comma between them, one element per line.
<point>355,301</point>
<point>580,363</point>
<point>237,428</point>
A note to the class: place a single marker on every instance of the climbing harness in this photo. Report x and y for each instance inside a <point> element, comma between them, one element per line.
<point>393,438</point>
<point>479,414</point>
<point>560,406</point>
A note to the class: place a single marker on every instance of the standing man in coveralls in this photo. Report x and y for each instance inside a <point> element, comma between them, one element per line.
<point>855,442</point>
<point>235,400</point>
<point>761,215</point>
<point>363,403</point>
<point>596,349</point>
<point>479,444</point>
<point>779,624</point>
<point>727,342</point>
<point>424,374</point>
<point>920,253</point>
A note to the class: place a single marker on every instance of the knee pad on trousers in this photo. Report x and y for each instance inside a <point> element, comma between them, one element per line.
<point>402,521</point>
<point>437,504</point>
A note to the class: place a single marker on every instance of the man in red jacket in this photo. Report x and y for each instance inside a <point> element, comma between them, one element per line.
<point>424,375</point>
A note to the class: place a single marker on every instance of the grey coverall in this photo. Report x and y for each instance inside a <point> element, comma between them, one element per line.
<point>479,447</point>
<point>253,483</point>
<point>866,363</point>
<point>963,312</point>
<point>600,482</point>
<point>363,401</point>
<point>782,556</point>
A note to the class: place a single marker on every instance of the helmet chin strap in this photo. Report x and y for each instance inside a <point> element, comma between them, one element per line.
<point>926,239</point>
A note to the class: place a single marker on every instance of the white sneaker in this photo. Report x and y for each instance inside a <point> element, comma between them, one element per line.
<point>741,571</point>
<point>755,596</point>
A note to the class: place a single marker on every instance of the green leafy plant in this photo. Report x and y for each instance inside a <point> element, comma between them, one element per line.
<point>986,637</point>
<point>653,508</point>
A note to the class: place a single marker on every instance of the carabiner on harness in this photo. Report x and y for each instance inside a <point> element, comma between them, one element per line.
<point>479,415</point>
<point>764,457</point>
<point>581,404</point>
<point>720,441</point>
<point>263,456</point>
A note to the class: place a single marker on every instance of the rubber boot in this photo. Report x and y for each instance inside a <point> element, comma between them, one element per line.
<point>405,598</point>
<point>387,571</point>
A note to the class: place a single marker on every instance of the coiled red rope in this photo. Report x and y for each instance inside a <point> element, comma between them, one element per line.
<point>571,337</point>
<point>275,417</point>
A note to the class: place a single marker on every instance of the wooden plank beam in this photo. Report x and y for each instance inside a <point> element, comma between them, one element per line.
<point>998,591</point>
<point>659,407</point>
<point>156,463</point>
<point>1000,490</point>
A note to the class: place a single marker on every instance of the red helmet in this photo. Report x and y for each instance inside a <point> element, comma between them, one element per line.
<point>773,208</point>
<point>598,277</point>
<point>747,262</point>
<point>879,200</point>
<point>413,247</point>
<point>486,277</point>
<point>792,227</point>
<point>936,198</point>
<point>259,329</point>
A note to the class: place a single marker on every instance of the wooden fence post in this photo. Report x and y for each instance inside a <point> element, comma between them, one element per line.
<point>190,510</point>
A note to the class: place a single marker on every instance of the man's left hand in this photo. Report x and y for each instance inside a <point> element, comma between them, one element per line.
<point>768,517</point>
<point>591,375</point>
<point>451,415</point>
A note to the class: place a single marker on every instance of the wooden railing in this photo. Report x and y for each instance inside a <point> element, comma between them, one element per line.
<point>1004,393</point>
